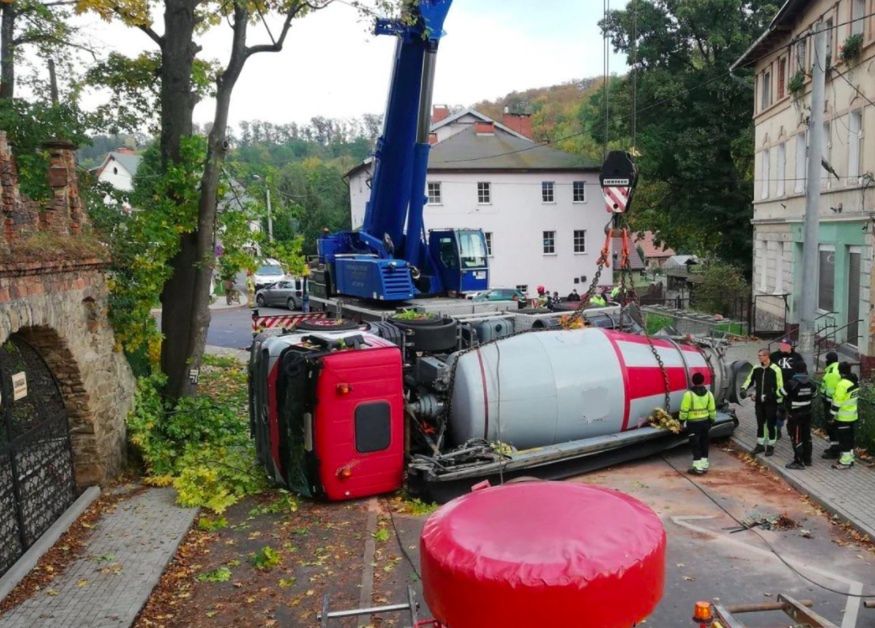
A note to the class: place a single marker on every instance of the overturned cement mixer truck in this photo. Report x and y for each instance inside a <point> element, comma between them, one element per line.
<point>343,410</point>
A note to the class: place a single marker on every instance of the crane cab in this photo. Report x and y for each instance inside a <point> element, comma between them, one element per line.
<point>461,259</point>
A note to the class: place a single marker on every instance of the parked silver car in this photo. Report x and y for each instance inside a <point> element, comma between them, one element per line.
<point>285,293</point>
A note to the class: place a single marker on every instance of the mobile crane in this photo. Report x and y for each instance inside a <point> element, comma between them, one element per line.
<point>390,258</point>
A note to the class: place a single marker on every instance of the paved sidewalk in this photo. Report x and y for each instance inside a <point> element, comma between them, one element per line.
<point>124,559</point>
<point>848,494</point>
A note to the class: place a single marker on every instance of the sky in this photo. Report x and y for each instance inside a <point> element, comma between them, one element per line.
<point>332,66</point>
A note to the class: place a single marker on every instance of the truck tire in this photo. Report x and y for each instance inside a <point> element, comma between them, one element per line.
<point>547,323</point>
<point>327,324</point>
<point>738,371</point>
<point>533,310</point>
<point>386,330</point>
<point>433,334</point>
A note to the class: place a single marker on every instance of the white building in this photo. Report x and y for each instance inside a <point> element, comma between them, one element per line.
<point>541,209</point>
<point>118,169</point>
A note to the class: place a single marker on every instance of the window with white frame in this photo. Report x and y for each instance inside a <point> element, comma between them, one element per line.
<point>484,192</point>
<point>766,89</point>
<point>578,189</point>
<point>780,168</point>
<point>580,240</point>
<point>547,192</point>
<point>826,151</point>
<point>801,161</point>
<point>434,193</point>
<point>549,240</point>
<point>858,11</point>
<point>826,274</point>
<point>764,174</point>
<point>762,266</point>
<point>801,54</point>
<point>855,142</point>
<point>779,267</point>
<point>488,235</point>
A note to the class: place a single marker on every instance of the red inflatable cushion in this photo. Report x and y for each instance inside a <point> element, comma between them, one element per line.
<point>543,554</point>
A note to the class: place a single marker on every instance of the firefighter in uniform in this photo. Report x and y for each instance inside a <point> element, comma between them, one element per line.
<point>800,396</point>
<point>844,410</point>
<point>831,378</point>
<point>699,411</point>
<point>768,383</point>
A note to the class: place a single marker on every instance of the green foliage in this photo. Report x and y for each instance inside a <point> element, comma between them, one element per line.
<point>286,503</point>
<point>723,285</point>
<point>202,445</point>
<point>851,49</point>
<point>28,126</point>
<point>408,314</point>
<point>694,120</point>
<point>796,85</point>
<point>290,254</point>
<point>381,535</point>
<point>419,508</point>
<point>222,574</point>
<point>265,559</point>
<point>654,322</point>
<point>212,524</point>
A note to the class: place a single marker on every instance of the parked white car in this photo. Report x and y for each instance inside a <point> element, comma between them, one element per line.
<point>269,272</point>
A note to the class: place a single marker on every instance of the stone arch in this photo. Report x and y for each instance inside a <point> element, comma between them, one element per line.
<point>63,367</point>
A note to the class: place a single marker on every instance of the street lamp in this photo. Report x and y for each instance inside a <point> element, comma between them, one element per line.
<point>269,214</point>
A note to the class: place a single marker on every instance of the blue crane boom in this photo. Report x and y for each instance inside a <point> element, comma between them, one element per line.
<point>388,258</point>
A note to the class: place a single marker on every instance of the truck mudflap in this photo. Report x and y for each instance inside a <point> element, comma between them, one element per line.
<point>443,476</point>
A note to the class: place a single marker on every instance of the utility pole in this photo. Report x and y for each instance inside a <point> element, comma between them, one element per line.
<point>269,215</point>
<point>811,237</point>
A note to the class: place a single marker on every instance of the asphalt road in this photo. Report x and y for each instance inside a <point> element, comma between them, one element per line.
<point>233,327</point>
<point>706,560</point>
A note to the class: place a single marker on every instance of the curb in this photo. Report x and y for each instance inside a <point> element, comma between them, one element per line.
<point>860,527</point>
<point>44,543</point>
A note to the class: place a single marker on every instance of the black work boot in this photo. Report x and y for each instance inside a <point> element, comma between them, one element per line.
<point>770,451</point>
<point>794,465</point>
<point>829,454</point>
<point>758,449</point>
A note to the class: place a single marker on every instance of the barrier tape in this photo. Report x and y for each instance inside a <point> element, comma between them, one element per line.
<point>281,321</point>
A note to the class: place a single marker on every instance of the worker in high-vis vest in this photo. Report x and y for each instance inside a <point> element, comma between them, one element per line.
<point>831,378</point>
<point>844,411</point>
<point>699,411</point>
<point>768,383</point>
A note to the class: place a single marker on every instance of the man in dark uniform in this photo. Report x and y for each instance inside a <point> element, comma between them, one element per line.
<point>768,395</point>
<point>786,359</point>
<point>800,397</point>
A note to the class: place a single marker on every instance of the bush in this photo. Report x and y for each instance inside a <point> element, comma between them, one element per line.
<point>201,446</point>
<point>721,289</point>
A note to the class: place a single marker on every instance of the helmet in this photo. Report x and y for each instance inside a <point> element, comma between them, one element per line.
<point>541,289</point>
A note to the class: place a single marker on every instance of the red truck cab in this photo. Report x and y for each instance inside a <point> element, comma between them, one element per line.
<point>327,412</point>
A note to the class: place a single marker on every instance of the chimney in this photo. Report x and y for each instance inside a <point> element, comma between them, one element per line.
<point>125,150</point>
<point>439,112</point>
<point>519,122</point>
<point>484,128</point>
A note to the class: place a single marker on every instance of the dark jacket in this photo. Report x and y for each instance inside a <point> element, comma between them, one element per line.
<point>769,382</point>
<point>787,363</point>
<point>801,392</point>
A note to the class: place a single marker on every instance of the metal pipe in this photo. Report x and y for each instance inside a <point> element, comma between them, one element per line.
<point>762,606</point>
<point>389,608</point>
<point>811,236</point>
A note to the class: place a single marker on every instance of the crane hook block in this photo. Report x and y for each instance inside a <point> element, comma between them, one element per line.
<point>618,178</point>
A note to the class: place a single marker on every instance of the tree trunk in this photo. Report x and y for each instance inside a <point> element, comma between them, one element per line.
<point>7,50</point>
<point>206,226</point>
<point>177,105</point>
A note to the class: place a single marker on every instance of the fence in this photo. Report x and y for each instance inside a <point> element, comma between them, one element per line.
<point>686,321</point>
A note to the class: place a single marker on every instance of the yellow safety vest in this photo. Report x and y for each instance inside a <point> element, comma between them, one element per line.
<point>831,378</point>
<point>698,407</point>
<point>845,400</point>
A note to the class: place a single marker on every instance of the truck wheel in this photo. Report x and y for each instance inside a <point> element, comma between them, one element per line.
<point>432,334</point>
<point>386,330</point>
<point>738,371</point>
<point>259,300</point>
<point>533,310</point>
<point>292,304</point>
<point>327,324</point>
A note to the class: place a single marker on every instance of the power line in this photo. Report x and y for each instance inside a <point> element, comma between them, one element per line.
<point>854,87</point>
<point>762,538</point>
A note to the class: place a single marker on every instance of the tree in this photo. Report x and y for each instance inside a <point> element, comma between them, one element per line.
<point>694,127</point>
<point>185,294</point>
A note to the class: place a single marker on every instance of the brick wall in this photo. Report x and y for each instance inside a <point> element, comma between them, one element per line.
<point>58,305</point>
